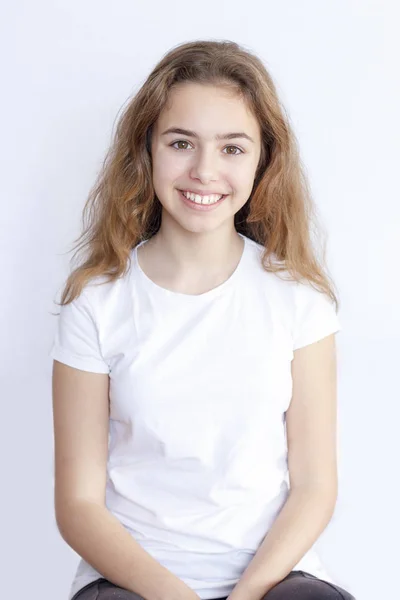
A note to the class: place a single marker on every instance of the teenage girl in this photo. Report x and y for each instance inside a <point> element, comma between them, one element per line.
<point>194,374</point>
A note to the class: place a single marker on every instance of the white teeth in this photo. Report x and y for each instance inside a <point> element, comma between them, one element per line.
<point>211,199</point>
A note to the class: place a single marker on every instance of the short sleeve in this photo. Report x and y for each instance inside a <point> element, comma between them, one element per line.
<point>315,316</point>
<point>76,339</point>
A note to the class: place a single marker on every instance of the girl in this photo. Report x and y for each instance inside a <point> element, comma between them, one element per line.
<point>194,374</point>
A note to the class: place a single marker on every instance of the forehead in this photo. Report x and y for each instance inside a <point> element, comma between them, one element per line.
<point>208,109</point>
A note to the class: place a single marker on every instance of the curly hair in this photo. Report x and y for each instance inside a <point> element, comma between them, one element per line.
<point>123,210</point>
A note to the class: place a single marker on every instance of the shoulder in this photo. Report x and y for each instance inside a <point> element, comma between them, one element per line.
<point>86,324</point>
<point>279,287</point>
<point>315,315</point>
<point>107,295</point>
<point>309,313</point>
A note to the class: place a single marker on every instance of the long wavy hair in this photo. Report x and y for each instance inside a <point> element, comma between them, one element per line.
<point>123,210</point>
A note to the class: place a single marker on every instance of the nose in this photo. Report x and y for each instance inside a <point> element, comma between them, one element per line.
<point>205,166</point>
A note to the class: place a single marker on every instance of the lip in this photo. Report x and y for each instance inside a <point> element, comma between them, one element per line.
<point>201,207</point>
<point>202,192</point>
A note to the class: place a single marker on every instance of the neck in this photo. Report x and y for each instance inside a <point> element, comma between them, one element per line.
<point>187,254</point>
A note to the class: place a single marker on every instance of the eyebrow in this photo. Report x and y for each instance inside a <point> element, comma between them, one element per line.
<point>223,136</point>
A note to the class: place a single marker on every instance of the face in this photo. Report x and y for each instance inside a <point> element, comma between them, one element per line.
<point>200,162</point>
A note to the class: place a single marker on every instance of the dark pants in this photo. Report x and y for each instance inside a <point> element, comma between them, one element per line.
<point>297,585</point>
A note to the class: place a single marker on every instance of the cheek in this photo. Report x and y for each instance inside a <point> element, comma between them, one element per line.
<point>167,166</point>
<point>249,175</point>
<point>241,177</point>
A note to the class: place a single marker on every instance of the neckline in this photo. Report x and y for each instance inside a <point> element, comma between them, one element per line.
<point>219,289</point>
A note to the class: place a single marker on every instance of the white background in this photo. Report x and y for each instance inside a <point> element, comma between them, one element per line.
<point>67,69</point>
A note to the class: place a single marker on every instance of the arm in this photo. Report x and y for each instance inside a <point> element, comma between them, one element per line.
<point>311,437</point>
<point>80,413</point>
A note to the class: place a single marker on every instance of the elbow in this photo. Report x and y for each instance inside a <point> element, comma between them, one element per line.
<point>322,496</point>
<point>72,514</point>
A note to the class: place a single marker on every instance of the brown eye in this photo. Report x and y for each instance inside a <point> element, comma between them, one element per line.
<point>179,142</point>
<point>235,153</point>
<point>239,150</point>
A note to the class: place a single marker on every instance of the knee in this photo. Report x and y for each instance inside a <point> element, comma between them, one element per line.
<point>110,591</point>
<point>302,588</point>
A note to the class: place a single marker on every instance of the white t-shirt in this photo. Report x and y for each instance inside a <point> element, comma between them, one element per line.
<point>199,385</point>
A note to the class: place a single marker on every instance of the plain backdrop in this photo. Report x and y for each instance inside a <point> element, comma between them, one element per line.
<point>67,69</point>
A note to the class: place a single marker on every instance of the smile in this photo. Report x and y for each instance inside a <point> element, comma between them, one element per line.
<point>206,199</point>
<point>202,203</point>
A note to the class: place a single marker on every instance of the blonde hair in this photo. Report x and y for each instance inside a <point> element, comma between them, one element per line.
<point>122,208</point>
